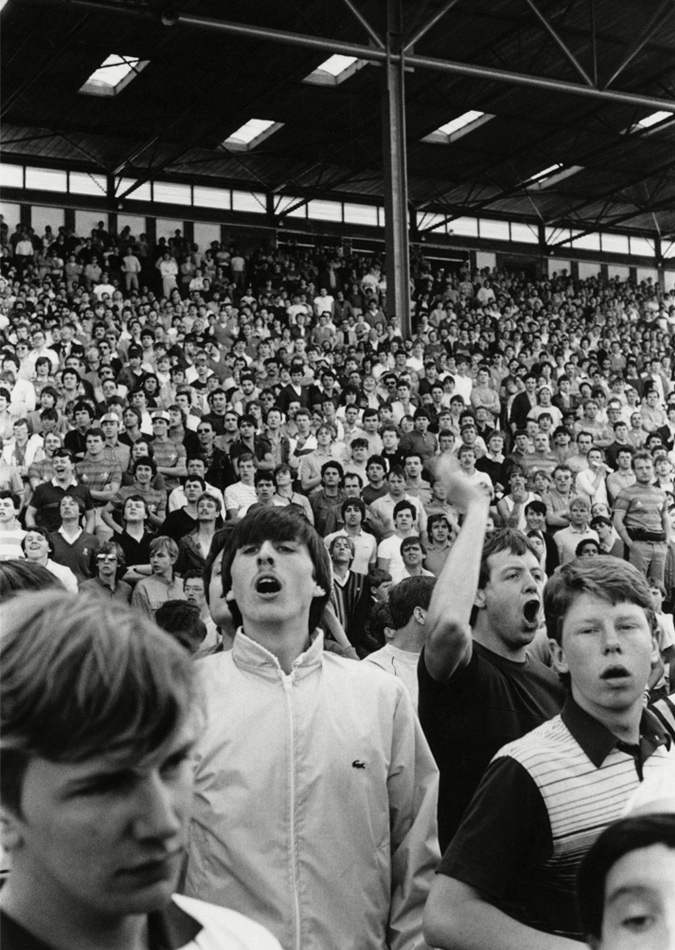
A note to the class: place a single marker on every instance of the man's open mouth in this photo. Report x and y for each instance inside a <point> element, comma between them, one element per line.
<point>531,612</point>
<point>615,672</point>
<point>267,585</point>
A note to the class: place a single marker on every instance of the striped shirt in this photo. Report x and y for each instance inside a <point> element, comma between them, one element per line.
<point>541,804</point>
<point>102,474</point>
<point>644,505</point>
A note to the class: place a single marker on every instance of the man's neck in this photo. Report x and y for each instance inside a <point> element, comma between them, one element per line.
<point>484,634</point>
<point>135,529</point>
<point>70,528</point>
<point>340,570</point>
<point>624,723</point>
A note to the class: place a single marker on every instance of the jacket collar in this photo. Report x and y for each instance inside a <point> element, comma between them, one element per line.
<point>249,654</point>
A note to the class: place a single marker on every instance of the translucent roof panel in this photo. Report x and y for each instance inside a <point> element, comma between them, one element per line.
<point>251,133</point>
<point>335,70</point>
<point>456,128</point>
<point>113,75</point>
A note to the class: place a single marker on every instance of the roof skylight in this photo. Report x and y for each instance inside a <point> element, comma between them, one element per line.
<point>335,70</point>
<point>251,133</point>
<point>114,73</point>
<point>456,128</point>
<point>650,120</point>
<point>545,172</point>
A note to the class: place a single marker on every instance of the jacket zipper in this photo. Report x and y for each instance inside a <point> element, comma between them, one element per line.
<point>288,688</point>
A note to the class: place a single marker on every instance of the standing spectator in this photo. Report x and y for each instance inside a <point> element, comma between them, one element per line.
<point>362,774</point>
<point>507,879</point>
<point>194,547</point>
<point>38,548</point>
<point>153,591</point>
<point>110,565</point>
<point>479,686</point>
<point>43,509</point>
<point>73,547</point>
<point>101,471</point>
<point>95,696</point>
<point>327,501</point>
<point>11,532</point>
<point>365,546</point>
<point>641,520</point>
<point>242,493</point>
<point>567,539</point>
<point>408,605</point>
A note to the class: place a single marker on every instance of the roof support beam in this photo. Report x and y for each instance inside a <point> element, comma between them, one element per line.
<point>560,43</point>
<point>430,24</point>
<point>394,161</point>
<point>364,23</point>
<point>654,24</point>
<point>421,62</point>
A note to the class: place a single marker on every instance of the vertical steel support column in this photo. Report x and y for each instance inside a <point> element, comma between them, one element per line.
<point>660,270</point>
<point>395,173</point>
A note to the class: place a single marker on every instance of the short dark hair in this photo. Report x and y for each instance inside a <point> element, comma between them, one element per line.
<point>276,524</point>
<point>353,503</point>
<point>503,539</point>
<point>181,619</point>
<point>406,595</point>
<point>622,837</point>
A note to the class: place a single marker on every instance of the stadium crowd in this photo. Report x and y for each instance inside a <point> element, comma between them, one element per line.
<point>171,416</point>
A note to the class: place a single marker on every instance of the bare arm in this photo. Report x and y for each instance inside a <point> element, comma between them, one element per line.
<point>107,518</point>
<point>30,516</point>
<point>457,918</point>
<point>619,517</point>
<point>448,640</point>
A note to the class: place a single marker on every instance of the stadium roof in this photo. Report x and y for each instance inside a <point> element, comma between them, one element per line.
<point>549,113</point>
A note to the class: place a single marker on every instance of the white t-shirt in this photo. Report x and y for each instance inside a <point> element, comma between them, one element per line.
<point>401,663</point>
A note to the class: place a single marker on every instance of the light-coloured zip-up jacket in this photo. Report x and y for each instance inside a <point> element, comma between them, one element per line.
<point>315,803</point>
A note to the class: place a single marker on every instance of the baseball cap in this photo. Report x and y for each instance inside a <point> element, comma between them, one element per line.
<point>162,414</point>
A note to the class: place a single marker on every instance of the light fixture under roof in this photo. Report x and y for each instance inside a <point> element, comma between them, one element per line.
<point>655,118</point>
<point>456,128</point>
<point>113,75</point>
<point>251,134</point>
<point>553,175</point>
<point>335,70</point>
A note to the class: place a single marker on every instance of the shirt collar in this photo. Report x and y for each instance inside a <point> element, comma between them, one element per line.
<point>73,481</point>
<point>597,741</point>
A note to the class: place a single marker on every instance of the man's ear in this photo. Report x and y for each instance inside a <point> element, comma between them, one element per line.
<point>558,659</point>
<point>319,590</point>
<point>479,599</point>
<point>10,831</point>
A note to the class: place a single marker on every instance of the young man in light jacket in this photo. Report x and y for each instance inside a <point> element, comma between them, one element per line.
<point>315,800</point>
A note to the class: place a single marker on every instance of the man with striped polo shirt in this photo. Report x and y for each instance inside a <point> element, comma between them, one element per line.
<point>508,878</point>
<point>641,519</point>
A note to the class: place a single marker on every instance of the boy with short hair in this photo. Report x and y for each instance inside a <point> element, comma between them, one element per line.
<point>507,880</point>
<point>97,783</point>
<point>300,747</point>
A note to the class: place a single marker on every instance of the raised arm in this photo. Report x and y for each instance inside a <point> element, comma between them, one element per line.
<point>448,641</point>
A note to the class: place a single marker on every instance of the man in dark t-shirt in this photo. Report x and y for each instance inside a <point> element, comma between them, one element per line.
<point>479,687</point>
